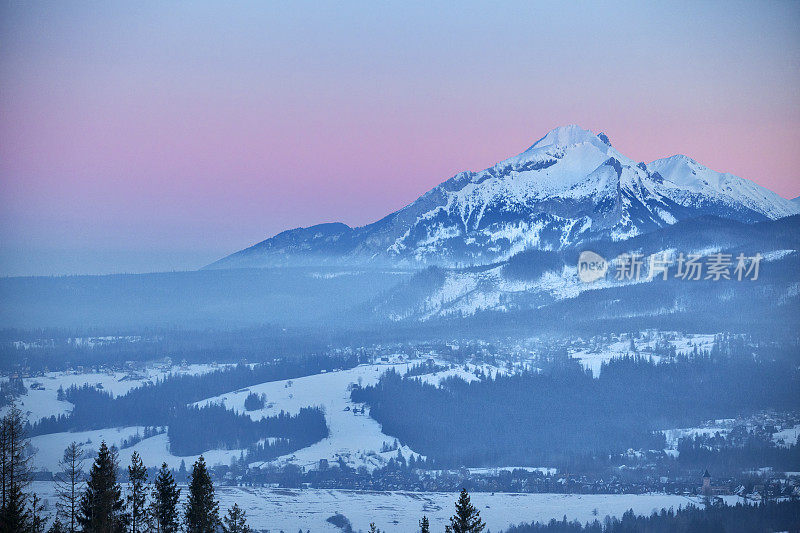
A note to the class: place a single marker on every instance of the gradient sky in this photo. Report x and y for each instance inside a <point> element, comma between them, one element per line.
<point>139,136</point>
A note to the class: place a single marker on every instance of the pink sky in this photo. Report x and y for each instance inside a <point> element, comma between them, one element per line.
<point>182,133</point>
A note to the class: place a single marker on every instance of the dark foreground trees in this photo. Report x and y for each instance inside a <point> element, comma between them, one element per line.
<point>164,507</point>
<point>467,518</point>
<point>38,519</point>
<point>424,525</point>
<point>15,473</point>
<point>102,509</point>
<point>69,487</point>
<point>202,510</point>
<point>100,506</point>
<point>235,521</point>
<point>137,495</point>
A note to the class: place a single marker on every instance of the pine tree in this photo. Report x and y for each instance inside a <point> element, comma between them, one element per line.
<point>15,471</point>
<point>182,474</point>
<point>235,521</point>
<point>102,509</point>
<point>38,520</point>
<point>137,494</point>
<point>202,510</point>
<point>373,529</point>
<point>57,527</point>
<point>165,501</point>
<point>424,525</point>
<point>69,483</point>
<point>467,518</point>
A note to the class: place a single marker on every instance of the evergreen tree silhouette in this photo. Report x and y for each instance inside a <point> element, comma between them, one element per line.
<point>164,505</point>
<point>235,521</point>
<point>15,471</point>
<point>202,510</point>
<point>38,519</point>
<point>69,486</point>
<point>102,509</point>
<point>467,518</point>
<point>137,494</point>
<point>424,525</point>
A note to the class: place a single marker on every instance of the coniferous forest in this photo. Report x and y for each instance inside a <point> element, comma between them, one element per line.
<point>547,416</point>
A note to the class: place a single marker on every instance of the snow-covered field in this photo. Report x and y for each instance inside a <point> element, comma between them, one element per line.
<point>356,438</point>
<point>467,372</point>
<point>783,437</point>
<point>674,435</point>
<point>288,510</point>
<point>43,402</point>
<point>153,451</point>
<point>787,436</point>
<point>593,357</point>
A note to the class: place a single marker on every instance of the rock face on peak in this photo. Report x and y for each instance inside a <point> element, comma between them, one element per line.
<point>570,186</point>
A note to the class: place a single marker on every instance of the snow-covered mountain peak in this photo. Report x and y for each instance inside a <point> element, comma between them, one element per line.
<point>571,186</point>
<point>687,178</point>
<point>680,170</point>
<point>565,136</point>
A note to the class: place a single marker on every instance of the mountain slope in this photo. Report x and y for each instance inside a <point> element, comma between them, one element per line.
<point>536,281</point>
<point>571,186</point>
